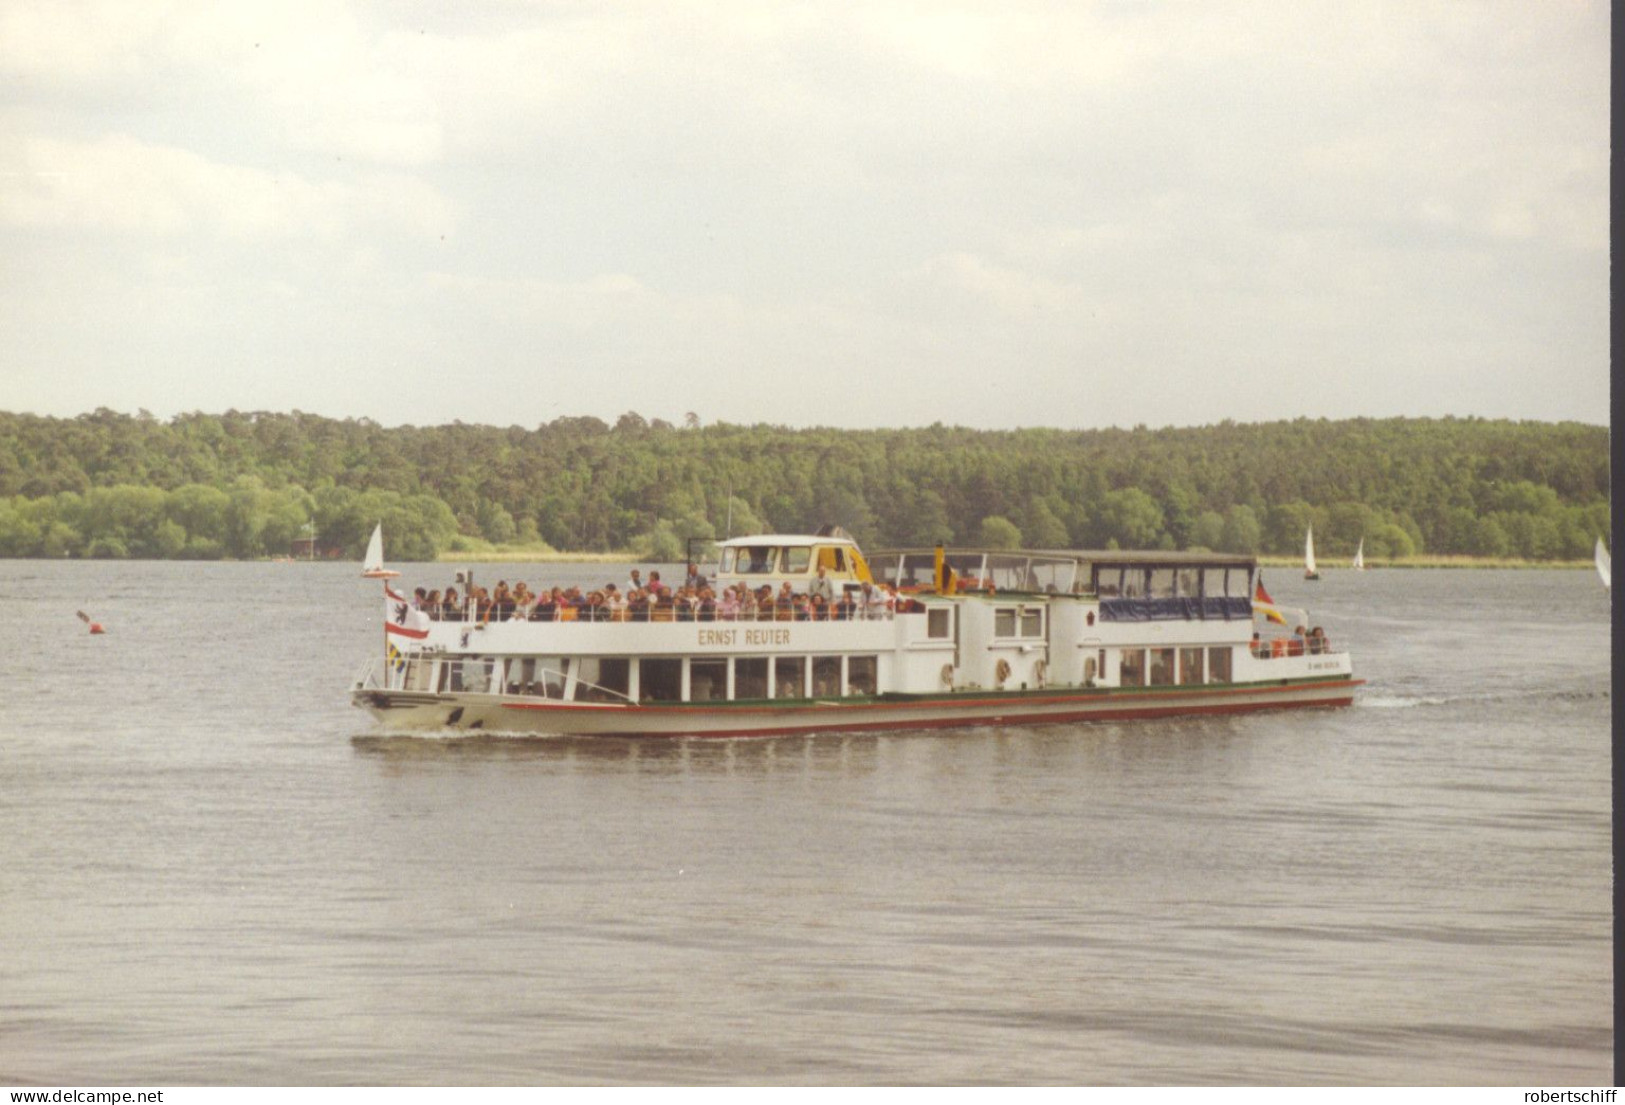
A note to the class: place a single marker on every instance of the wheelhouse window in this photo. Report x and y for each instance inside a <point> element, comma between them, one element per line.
<point>1004,621</point>
<point>755,560</point>
<point>795,560</point>
<point>1032,623</point>
<point>939,622</point>
<point>1132,670</point>
<point>832,558</point>
<point>750,677</point>
<point>1189,582</point>
<point>660,679</point>
<point>1218,665</point>
<point>707,680</point>
<point>1190,665</point>
<point>1108,582</point>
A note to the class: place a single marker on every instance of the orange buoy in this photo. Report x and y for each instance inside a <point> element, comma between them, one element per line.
<point>95,628</point>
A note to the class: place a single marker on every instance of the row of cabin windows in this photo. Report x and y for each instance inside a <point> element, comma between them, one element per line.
<point>784,560</point>
<point>1166,667</point>
<point>659,679</point>
<point>1166,583</point>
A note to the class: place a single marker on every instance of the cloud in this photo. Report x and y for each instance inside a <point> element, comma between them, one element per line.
<point>119,184</point>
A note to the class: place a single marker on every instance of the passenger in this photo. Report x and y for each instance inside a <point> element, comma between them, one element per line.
<point>728,605</point>
<point>656,587</point>
<point>685,603</point>
<point>1257,646</point>
<point>636,582</point>
<point>501,602</point>
<point>764,603</point>
<point>1296,647</point>
<point>637,605</point>
<point>747,604</point>
<point>706,607</point>
<point>661,608</point>
<point>451,609</point>
<point>784,608</point>
<point>545,609</point>
<point>615,603</point>
<point>694,580</point>
<point>432,605</point>
<point>844,607</point>
<point>1318,644</point>
<point>821,587</point>
<point>820,607</point>
<point>874,603</point>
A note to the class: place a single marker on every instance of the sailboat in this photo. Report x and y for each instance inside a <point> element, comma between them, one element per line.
<point>373,566</point>
<point>1359,557</point>
<point>1309,569</point>
<point>1605,567</point>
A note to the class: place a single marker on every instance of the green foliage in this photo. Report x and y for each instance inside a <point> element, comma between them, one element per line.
<point>247,484</point>
<point>998,533</point>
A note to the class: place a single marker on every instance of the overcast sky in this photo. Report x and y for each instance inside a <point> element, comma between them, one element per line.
<point>878,214</point>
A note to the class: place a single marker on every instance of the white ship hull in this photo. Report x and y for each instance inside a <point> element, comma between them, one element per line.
<point>417,712</point>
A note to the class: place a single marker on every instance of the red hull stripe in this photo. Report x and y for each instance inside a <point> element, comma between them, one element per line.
<point>403,631</point>
<point>974,720</point>
<point>1000,705</point>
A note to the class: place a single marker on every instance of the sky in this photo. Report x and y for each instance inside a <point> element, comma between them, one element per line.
<point>992,215</point>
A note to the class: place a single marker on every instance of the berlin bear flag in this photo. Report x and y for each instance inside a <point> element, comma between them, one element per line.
<point>402,618</point>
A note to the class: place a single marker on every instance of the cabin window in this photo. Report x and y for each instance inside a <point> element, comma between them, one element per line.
<point>1108,582</point>
<point>755,560</point>
<point>832,559</point>
<point>548,677</point>
<point>1032,623</point>
<point>1162,667</point>
<point>1162,583</point>
<point>474,675</point>
<point>1133,582</point>
<point>603,678</point>
<point>660,680</point>
<point>939,622</point>
<point>796,561</point>
<point>862,674</point>
<point>1004,622</point>
<point>707,680</point>
<point>1238,583</point>
<point>1132,673</point>
<point>417,673</point>
<point>1190,665</point>
<point>790,677</point>
<point>826,673</point>
<point>1213,582</point>
<point>750,677</point>
<point>1218,665</point>
<point>1189,582</point>
<point>726,564</point>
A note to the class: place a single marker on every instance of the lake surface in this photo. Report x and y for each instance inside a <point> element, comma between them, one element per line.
<point>215,872</point>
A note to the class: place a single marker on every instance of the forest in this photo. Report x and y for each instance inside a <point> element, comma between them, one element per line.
<point>249,485</point>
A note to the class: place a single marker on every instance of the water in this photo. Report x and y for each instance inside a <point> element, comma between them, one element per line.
<point>214,872</point>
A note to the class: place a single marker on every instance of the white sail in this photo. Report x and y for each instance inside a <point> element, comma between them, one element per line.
<point>372,566</point>
<point>1359,557</point>
<point>1309,569</point>
<point>1605,566</point>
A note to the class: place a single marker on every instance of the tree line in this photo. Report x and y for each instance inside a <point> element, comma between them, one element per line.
<point>244,485</point>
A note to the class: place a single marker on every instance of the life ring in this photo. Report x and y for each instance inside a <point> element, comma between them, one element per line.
<point>1001,672</point>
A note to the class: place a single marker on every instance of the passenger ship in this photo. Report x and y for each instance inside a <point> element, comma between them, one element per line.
<point>972,637</point>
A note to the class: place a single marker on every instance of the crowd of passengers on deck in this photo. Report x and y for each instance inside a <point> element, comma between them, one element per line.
<point>653,601</point>
<point>1312,642</point>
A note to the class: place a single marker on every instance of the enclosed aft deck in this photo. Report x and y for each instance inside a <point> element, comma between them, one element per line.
<point>907,639</point>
